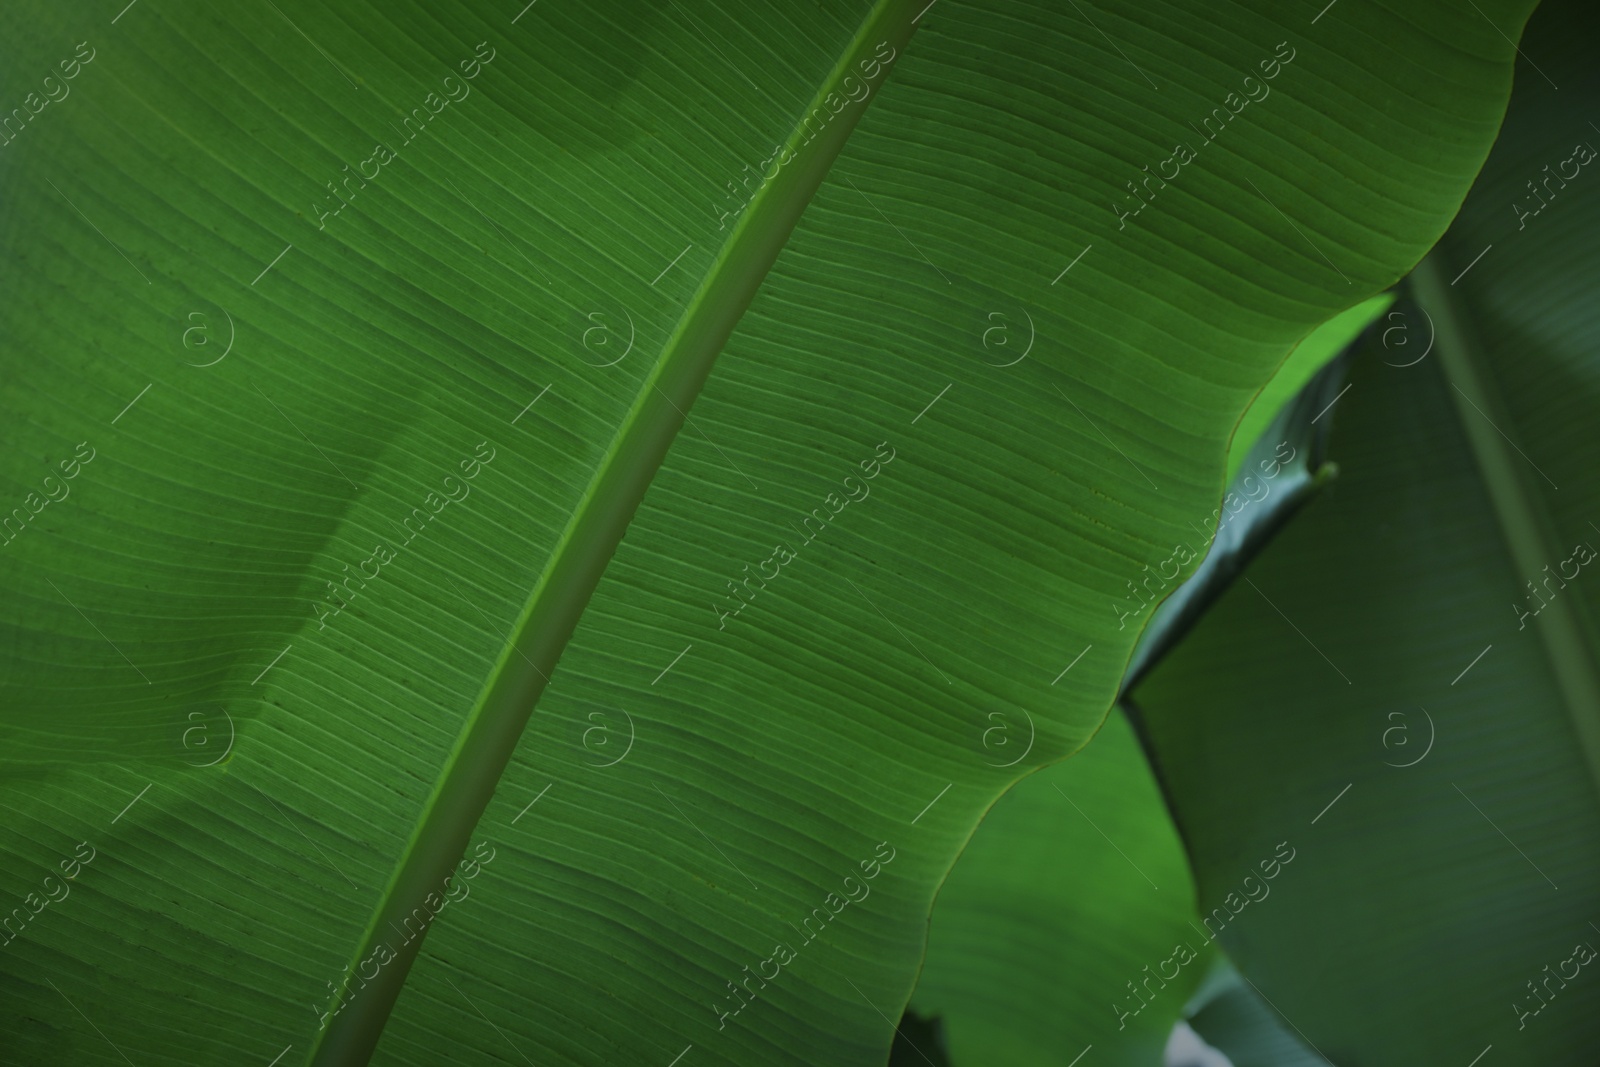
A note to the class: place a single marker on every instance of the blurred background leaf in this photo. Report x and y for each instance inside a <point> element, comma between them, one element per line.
<point>1405,690</point>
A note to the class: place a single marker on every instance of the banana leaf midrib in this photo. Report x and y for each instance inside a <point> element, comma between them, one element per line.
<point>550,614</point>
<point>1524,522</point>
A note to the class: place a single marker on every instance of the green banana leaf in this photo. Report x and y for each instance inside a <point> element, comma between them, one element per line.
<point>344,343</point>
<point>1065,924</point>
<point>1404,691</point>
<point>1034,950</point>
<point>1055,923</point>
